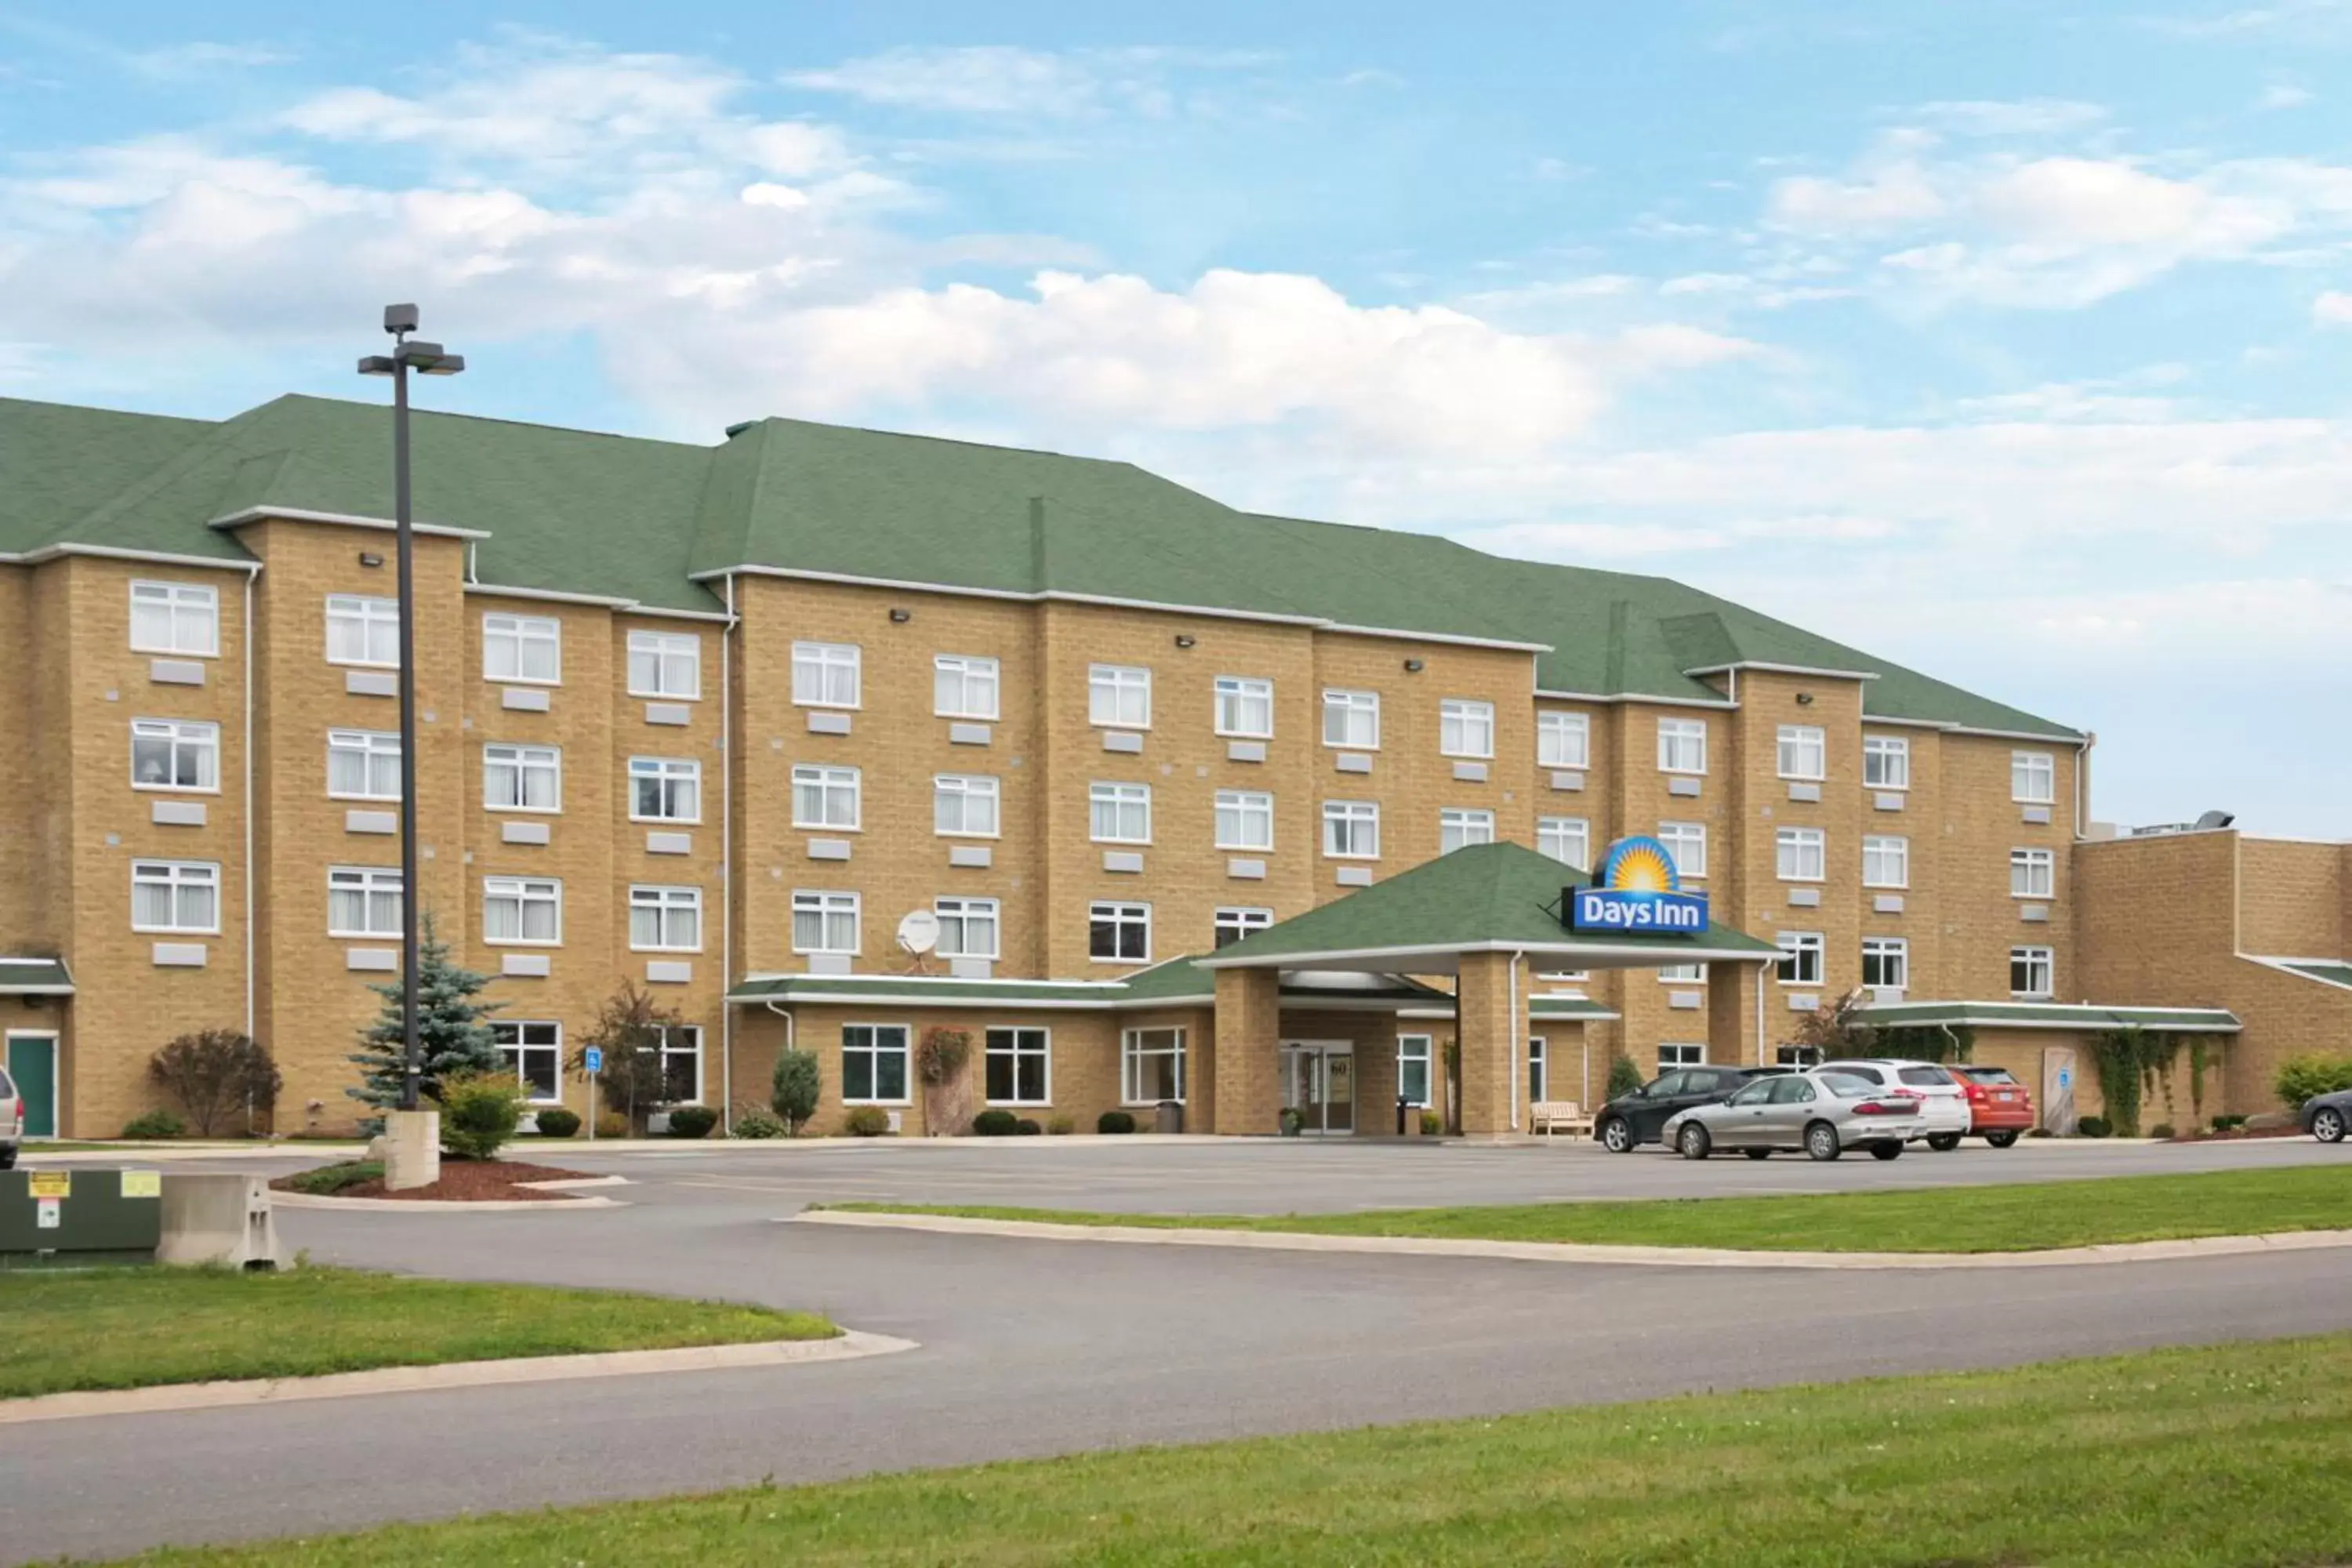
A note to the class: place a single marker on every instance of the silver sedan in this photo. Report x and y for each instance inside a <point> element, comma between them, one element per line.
<point>1822,1112</point>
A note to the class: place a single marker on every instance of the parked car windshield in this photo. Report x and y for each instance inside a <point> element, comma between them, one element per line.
<point>1989,1075</point>
<point>1927,1077</point>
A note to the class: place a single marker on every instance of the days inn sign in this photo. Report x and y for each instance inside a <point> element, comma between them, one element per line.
<point>1636,891</point>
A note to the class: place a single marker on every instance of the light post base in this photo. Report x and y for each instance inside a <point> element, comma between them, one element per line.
<point>412,1148</point>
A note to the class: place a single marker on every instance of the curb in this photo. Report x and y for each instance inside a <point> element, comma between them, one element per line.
<point>438,1206</point>
<point>1575,1252</point>
<point>849,1345</point>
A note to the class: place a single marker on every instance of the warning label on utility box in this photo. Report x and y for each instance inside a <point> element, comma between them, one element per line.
<point>51,1184</point>
<point>143,1184</point>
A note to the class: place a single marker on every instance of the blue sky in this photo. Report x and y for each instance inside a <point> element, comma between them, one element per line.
<point>2009,340</point>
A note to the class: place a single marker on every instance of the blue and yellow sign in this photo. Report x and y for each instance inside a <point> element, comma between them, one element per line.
<point>1637,890</point>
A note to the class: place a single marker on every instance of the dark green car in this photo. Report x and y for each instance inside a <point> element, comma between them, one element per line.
<point>1631,1121</point>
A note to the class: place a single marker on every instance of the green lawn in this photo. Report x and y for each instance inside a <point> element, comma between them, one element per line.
<point>2237,1455</point>
<point>129,1328</point>
<point>2025,1217</point>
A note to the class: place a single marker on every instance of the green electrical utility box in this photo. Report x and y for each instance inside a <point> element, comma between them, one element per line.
<point>79,1217</point>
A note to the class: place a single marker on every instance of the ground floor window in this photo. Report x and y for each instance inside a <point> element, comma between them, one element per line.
<point>1797,1056</point>
<point>1679,1054</point>
<point>1886,963</point>
<point>535,1052</point>
<point>2031,972</point>
<point>681,1061</point>
<point>1150,1065</point>
<point>874,1064</point>
<point>1538,1070</point>
<point>1019,1067</point>
<point>1412,1070</point>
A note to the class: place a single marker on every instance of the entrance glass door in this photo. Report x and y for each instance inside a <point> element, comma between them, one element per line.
<point>1319,1081</point>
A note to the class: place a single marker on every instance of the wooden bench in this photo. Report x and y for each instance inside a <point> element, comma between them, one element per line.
<point>1550,1116</point>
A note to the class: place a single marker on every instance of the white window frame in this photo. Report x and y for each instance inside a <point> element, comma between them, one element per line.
<point>669,1047</point>
<point>1131,1053</point>
<point>184,605</point>
<point>2033,956</point>
<point>1465,727</point>
<point>523,763</point>
<point>1119,800</point>
<point>1673,835</point>
<point>1538,1069</point>
<point>1250,813</point>
<point>1884,951</point>
<point>668,653</point>
<point>197,737</point>
<point>1417,1050</point>
<point>511,1037</point>
<point>1114,689</point>
<point>1676,734</point>
<point>1803,753</point>
<point>1807,949</point>
<point>1563,740</point>
<point>828,905</point>
<point>2033,778</point>
<point>666,903</point>
<point>821,669</point>
<point>1889,757</point>
<point>1242,920</point>
<point>1800,853</point>
<point>371,746</point>
<point>874,1042</point>
<point>371,883</point>
<point>1460,827</point>
<point>965,791</point>
<point>1673,1054</point>
<point>1122,914</point>
<point>1234,695</point>
<point>1553,834</point>
<point>2033,873</point>
<point>1019,1043</point>
<point>1342,820</point>
<point>1877,850</point>
<point>830,781</point>
<point>1682,973</point>
<point>371,616</point>
<point>1351,706</point>
<point>668,773</point>
<point>966,674</point>
<point>524,892</point>
<point>962,917</point>
<point>180,877</point>
<point>518,635</point>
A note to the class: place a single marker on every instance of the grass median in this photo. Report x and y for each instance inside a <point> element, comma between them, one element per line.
<point>2232,1455</point>
<point>2017,1218</point>
<point>134,1328</point>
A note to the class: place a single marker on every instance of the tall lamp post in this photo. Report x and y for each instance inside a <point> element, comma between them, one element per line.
<point>425,359</point>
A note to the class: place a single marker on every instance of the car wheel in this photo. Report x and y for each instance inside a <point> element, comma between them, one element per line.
<point>1943,1142</point>
<point>1617,1135</point>
<point>2002,1139</point>
<point>2328,1124</point>
<point>1757,1153</point>
<point>1821,1141</point>
<point>1886,1151</point>
<point>1694,1142</point>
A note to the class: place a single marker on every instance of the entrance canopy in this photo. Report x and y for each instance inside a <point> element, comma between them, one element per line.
<point>35,977</point>
<point>1483,898</point>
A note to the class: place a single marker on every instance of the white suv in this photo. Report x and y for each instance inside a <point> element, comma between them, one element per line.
<point>1944,1112</point>
<point>12,1122</point>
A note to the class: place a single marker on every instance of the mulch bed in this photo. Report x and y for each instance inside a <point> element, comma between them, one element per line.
<point>2239,1134</point>
<point>474,1181</point>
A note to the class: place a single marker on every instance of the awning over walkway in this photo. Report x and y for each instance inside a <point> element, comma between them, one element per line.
<point>35,977</point>
<point>2050,1016</point>
<point>2327,971</point>
<point>1172,984</point>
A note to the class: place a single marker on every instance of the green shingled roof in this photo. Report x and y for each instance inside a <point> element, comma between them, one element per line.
<point>2053,1016</point>
<point>652,522</point>
<point>1172,981</point>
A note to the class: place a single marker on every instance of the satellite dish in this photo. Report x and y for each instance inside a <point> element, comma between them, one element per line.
<point>918,931</point>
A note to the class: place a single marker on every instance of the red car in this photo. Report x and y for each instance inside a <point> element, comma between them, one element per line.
<point>2000,1109</point>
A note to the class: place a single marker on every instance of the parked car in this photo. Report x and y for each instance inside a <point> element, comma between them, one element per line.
<point>1820,1110</point>
<point>1945,1115</point>
<point>2000,1109</point>
<point>2326,1116</point>
<point>1632,1120</point>
<point>12,1122</point>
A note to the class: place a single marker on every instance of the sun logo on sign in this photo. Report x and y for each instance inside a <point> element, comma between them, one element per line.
<point>1639,865</point>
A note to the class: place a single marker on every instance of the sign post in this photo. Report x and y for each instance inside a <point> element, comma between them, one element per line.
<point>593,1059</point>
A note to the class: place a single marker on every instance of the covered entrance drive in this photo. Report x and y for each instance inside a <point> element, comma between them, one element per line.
<point>1319,1083</point>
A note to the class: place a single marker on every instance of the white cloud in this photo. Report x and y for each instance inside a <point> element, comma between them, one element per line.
<point>1893,193</point>
<point>2284,95</point>
<point>179,62</point>
<point>1000,79</point>
<point>2012,117</point>
<point>2333,308</point>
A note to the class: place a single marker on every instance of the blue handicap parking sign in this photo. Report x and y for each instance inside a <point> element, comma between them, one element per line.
<point>595,1059</point>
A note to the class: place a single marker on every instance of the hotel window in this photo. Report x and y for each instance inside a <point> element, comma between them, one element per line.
<point>1150,1065</point>
<point>1019,1067</point>
<point>1538,1070</point>
<point>1460,826</point>
<point>824,674</point>
<point>1119,813</point>
<point>825,796</point>
<point>1351,829</point>
<point>522,647</point>
<point>1413,1052</point>
<point>1673,1054</point>
<point>2031,972</point>
<point>2032,777</point>
<point>874,1064</point>
<point>669,789</point>
<point>363,765</point>
<point>517,778</point>
<point>534,1053</point>
<point>963,805</point>
<point>1465,729</point>
<point>966,927</point>
<point>1682,745</point>
<point>1351,720</point>
<point>1885,862</point>
<point>1567,840</point>
<point>1233,924</point>
<point>1886,761</point>
<point>825,922</point>
<point>666,664</point>
<point>522,911</point>
<point>1800,958</point>
<point>1686,843</point>
<point>1886,963</point>
<point>176,896</point>
<point>1804,751</point>
<point>362,901</point>
<point>1682,974</point>
<point>963,686</point>
<point>361,630</point>
<point>1563,741</point>
<point>175,617</point>
<point>1245,819</point>
<point>175,754</point>
<point>1118,696</point>
<point>1119,934</point>
<point>1800,854</point>
<point>666,919</point>
<point>681,1061</point>
<point>1245,707</point>
<point>2032,873</point>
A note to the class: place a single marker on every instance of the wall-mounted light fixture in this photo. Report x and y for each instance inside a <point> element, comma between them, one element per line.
<point>1804,700</point>
<point>1184,639</point>
<point>900,617</point>
<point>1413,666</point>
<point>370,558</point>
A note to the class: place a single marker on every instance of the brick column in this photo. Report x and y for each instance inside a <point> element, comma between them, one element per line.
<point>1731,1013</point>
<point>1486,1030</point>
<point>1246,1075</point>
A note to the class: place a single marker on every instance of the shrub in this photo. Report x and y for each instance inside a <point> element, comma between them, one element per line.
<point>759,1122</point>
<point>692,1121</point>
<point>557,1122</point>
<point>2093,1127</point>
<point>329,1180</point>
<point>479,1113</point>
<point>2314,1072</point>
<point>214,1073</point>
<point>794,1088</point>
<point>154,1125</point>
<point>1061,1125</point>
<point>2224,1123</point>
<point>1624,1078</point>
<point>612,1124</point>
<point>1432,1124</point>
<point>995,1123</point>
<point>1114,1121</point>
<point>868,1121</point>
<point>2162,1130</point>
<point>1027,1127</point>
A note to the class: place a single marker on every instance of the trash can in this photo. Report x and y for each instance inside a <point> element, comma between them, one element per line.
<point>1171,1116</point>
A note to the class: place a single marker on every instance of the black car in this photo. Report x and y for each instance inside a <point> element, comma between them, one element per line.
<point>2326,1116</point>
<point>1632,1120</point>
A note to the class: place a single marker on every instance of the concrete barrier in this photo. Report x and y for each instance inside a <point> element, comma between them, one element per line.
<point>219,1219</point>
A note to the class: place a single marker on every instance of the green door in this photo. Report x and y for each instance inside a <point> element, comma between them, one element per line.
<point>33,1063</point>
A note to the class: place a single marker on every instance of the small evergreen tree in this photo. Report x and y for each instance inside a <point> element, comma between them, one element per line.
<point>1624,1078</point>
<point>795,1088</point>
<point>450,1035</point>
